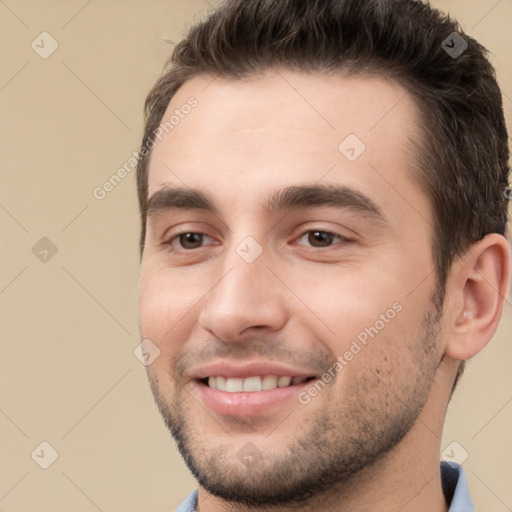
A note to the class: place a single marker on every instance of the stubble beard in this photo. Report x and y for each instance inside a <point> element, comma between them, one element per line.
<point>371,419</point>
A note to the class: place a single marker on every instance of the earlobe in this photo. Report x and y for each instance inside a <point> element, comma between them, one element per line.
<point>478,286</point>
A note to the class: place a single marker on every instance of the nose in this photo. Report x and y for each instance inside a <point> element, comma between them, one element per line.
<point>245,297</point>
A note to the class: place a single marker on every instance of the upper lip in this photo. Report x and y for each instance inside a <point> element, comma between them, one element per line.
<point>243,369</point>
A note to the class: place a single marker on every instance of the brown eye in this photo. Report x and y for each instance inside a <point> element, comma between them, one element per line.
<point>190,240</point>
<point>320,238</point>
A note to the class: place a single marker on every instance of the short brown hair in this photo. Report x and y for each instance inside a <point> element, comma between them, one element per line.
<point>463,155</point>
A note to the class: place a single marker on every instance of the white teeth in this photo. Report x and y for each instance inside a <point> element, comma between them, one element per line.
<point>220,383</point>
<point>269,382</point>
<point>234,385</point>
<point>284,381</point>
<point>251,384</point>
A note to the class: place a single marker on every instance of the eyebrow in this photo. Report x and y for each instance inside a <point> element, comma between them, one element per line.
<point>179,198</point>
<point>289,198</point>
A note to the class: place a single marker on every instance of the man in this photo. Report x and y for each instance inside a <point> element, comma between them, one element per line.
<point>323,193</point>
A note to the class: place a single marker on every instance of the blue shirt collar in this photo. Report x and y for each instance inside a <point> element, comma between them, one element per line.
<point>455,488</point>
<point>190,504</point>
<point>453,479</point>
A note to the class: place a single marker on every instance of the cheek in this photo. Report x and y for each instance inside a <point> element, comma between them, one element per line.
<point>345,301</point>
<point>154,302</point>
<point>370,320</point>
<point>166,307</point>
<point>400,350</point>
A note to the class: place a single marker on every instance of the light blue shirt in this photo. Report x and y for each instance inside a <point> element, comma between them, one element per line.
<point>453,479</point>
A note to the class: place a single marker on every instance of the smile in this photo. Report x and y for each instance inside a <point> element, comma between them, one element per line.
<point>250,396</point>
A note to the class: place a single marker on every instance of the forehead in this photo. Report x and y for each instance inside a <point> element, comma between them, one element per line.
<point>282,128</point>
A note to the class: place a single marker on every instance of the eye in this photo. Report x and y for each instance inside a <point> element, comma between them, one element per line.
<point>188,240</point>
<point>319,238</point>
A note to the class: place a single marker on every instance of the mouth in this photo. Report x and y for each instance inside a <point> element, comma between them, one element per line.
<point>251,396</point>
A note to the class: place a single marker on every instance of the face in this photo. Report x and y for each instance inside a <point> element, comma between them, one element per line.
<point>287,280</point>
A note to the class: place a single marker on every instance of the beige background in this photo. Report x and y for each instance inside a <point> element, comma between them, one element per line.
<point>69,326</point>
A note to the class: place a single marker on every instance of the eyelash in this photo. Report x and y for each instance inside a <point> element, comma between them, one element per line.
<point>319,249</point>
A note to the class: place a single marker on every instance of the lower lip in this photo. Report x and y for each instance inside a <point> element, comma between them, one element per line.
<point>250,403</point>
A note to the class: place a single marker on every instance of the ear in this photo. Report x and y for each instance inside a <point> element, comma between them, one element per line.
<point>477,290</point>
